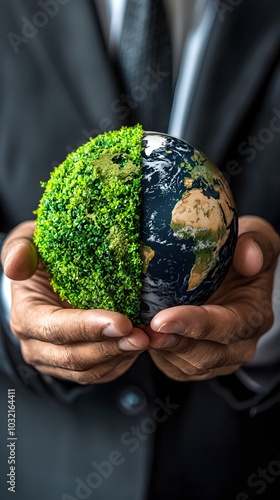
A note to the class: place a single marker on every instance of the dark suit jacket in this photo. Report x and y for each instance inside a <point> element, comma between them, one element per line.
<point>142,436</point>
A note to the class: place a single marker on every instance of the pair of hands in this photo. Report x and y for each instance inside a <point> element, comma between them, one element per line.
<point>185,342</point>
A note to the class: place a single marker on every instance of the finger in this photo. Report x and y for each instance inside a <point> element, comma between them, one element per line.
<point>99,375</point>
<point>248,257</point>
<point>58,326</point>
<point>257,247</point>
<point>222,324</point>
<point>80,356</point>
<point>205,355</point>
<point>19,255</point>
<point>199,357</point>
<point>179,371</point>
<point>165,360</point>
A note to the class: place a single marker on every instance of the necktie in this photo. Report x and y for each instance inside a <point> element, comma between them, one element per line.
<point>145,61</point>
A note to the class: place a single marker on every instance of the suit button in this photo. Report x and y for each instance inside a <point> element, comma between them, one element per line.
<point>132,400</point>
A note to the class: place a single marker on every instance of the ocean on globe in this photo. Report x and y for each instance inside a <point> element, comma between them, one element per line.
<point>189,225</point>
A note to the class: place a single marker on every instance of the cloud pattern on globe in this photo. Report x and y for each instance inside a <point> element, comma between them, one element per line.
<point>189,225</point>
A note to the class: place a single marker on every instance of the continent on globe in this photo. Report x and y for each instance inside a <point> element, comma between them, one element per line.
<point>147,254</point>
<point>204,218</point>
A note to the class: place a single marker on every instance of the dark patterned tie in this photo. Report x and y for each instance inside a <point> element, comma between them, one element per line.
<point>145,59</point>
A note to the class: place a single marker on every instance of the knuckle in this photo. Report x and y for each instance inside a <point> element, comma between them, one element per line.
<point>73,360</point>
<point>200,330</point>
<point>101,374</point>
<point>248,354</point>
<point>257,323</point>
<point>81,377</point>
<point>92,376</point>
<point>68,359</point>
<point>268,323</point>
<point>27,354</point>
<point>192,370</point>
<point>49,334</point>
<point>28,326</point>
<point>185,346</point>
<point>177,377</point>
<point>242,331</point>
<point>186,366</point>
<point>15,329</point>
<point>109,352</point>
<point>15,325</point>
<point>212,360</point>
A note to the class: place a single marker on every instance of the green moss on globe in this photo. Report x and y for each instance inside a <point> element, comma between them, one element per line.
<point>88,224</point>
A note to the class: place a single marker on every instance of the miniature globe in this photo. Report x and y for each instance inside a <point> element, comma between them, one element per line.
<point>189,225</point>
<point>136,222</point>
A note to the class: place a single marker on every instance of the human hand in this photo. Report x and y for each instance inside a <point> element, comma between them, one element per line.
<point>85,346</point>
<point>196,343</point>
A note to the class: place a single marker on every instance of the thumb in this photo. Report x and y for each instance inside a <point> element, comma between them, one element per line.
<point>19,255</point>
<point>257,248</point>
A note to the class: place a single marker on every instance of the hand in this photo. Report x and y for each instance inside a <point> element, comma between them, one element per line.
<point>85,346</point>
<point>196,343</point>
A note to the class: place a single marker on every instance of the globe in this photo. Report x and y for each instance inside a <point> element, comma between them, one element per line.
<point>136,222</point>
<point>189,225</point>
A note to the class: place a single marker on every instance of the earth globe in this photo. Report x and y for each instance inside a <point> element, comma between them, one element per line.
<point>136,222</point>
<point>189,225</point>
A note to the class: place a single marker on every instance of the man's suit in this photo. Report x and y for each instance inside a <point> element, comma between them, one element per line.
<point>143,435</point>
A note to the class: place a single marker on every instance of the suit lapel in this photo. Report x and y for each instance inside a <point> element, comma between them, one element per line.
<point>240,52</point>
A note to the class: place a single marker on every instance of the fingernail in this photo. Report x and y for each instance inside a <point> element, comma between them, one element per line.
<point>127,345</point>
<point>8,257</point>
<point>172,327</point>
<point>259,250</point>
<point>111,331</point>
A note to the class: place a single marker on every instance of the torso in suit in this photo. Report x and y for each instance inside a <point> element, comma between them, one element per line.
<point>171,440</point>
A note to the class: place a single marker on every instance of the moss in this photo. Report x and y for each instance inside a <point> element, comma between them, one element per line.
<point>88,224</point>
